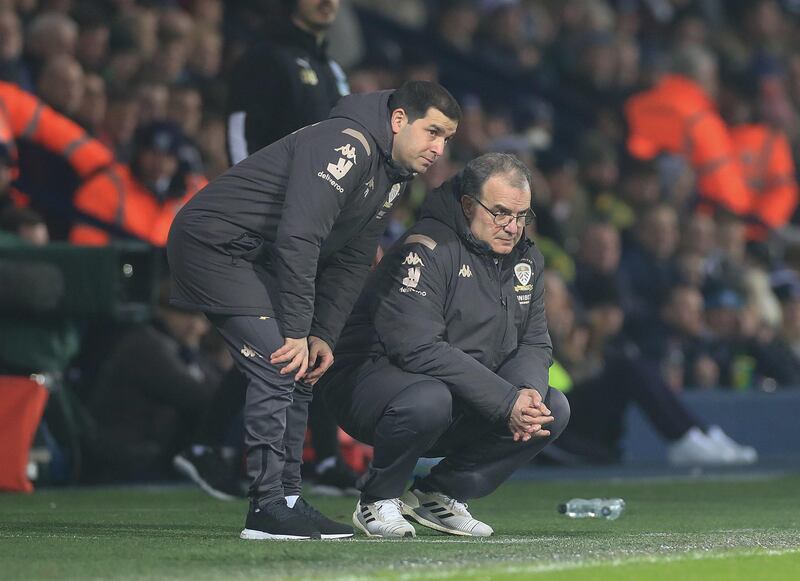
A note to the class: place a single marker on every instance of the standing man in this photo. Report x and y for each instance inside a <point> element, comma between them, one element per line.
<point>284,83</point>
<point>276,250</point>
<point>447,354</point>
<point>279,86</point>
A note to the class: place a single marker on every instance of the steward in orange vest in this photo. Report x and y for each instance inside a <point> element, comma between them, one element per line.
<point>24,117</point>
<point>138,201</point>
<point>677,116</point>
<point>766,158</point>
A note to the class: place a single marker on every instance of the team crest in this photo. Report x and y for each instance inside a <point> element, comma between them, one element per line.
<point>523,272</point>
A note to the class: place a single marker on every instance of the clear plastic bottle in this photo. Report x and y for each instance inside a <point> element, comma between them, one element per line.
<point>607,508</point>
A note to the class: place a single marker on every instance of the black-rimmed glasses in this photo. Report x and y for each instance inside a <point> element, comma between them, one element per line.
<point>503,219</point>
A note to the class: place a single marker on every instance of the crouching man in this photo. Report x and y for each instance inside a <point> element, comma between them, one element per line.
<point>446,355</point>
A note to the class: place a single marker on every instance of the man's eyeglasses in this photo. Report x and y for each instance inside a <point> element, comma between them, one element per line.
<point>503,219</point>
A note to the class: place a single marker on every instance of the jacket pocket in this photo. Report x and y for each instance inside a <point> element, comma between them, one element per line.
<point>246,246</point>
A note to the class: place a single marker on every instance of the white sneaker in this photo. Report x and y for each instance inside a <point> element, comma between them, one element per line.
<point>382,518</point>
<point>742,454</point>
<point>694,448</point>
<point>442,513</point>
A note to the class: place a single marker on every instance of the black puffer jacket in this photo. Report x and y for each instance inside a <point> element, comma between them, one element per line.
<point>442,304</point>
<point>291,231</point>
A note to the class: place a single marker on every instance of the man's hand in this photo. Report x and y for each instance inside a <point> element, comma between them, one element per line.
<point>528,416</point>
<point>295,351</point>
<point>320,358</point>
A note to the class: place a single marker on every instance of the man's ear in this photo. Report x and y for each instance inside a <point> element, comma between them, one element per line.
<point>398,120</point>
<point>466,206</point>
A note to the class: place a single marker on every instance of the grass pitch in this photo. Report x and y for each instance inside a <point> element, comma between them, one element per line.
<point>688,529</point>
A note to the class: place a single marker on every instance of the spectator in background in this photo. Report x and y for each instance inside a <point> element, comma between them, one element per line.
<point>94,34</point>
<point>61,85</point>
<point>648,264</point>
<point>149,395</point>
<point>137,201</point>
<point>12,66</point>
<point>153,100</point>
<point>49,34</point>
<point>27,224</point>
<point>94,104</point>
<point>608,375</point>
<point>119,124</point>
<point>286,82</point>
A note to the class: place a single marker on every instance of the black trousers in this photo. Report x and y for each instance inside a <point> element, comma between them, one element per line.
<point>275,409</point>
<point>599,404</point>
<point>423,419</point>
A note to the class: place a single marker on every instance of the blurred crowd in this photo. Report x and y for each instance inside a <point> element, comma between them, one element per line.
<point>661,134</point>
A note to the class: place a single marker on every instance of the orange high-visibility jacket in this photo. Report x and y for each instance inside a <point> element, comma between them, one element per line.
<point>678,117</point>
<point>24,116</point>
<point>116,198</point>
<point>766,159</point>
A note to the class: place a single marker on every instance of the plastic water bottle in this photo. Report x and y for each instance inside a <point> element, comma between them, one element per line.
<point>607,508</point>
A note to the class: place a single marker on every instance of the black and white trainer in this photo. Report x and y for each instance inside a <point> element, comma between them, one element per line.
<point>442,513</point>
<point>330,529</point>
<point>210,469</point>
<point>276,521</point>
<point>382,518</point>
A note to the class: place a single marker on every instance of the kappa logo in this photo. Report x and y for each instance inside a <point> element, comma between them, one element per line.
<point>412,280</point>
<point>413,259</point>
<point>348,159</point>
<point>465,271</point>
<point>248,352</point>
<point>370,186</point>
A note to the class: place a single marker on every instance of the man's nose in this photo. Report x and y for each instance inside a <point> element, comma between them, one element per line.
<point>438,147</point>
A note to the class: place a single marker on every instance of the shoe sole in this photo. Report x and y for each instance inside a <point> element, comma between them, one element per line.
<point>253,535</point>
<point>325,490</point>
<point>337,536</point>
<point>363,529</point>
<point>186,468</point>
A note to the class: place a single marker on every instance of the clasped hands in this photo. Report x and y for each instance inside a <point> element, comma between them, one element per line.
<point>529,416</point>
<point>310,356</point>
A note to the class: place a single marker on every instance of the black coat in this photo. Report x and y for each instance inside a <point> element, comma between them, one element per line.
<point>443,305</point>
<point>278,87</point>
<point>292,230</point>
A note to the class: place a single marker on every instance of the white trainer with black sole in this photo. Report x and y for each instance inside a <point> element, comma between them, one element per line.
<point>442,513</point>
<point>382,518</point>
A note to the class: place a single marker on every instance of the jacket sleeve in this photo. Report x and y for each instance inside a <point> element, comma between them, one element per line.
<point>326,166</point>
<point>340,283</point>
<point>529,364</point>
<point>408,315</point>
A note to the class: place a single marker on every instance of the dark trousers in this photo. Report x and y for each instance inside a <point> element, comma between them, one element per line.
<point>423,419</point>
<point>599,404</point>
<point>275,409</point>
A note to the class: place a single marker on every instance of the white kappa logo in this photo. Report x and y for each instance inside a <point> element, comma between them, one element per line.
<point>523,272</point>
<point>413,259</point>
<point>465,271</point>
<point>348,159</point>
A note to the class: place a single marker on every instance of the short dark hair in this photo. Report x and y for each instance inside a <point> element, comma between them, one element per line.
<point>478,171</point>
<point>416,97</point>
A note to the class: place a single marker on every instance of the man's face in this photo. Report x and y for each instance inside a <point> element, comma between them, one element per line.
<point>315,15</point>
<point>684,312</point>
<point>499,194</point>
<point>156,167</point>
<point>419,144</point>
<point>601,248</point>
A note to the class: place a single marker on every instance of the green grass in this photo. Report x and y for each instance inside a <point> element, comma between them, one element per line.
<point>699,529</point>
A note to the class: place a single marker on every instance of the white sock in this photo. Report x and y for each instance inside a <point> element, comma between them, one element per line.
<point>290,500</point>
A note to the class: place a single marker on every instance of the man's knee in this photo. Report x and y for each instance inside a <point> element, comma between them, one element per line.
<point>425,407</point>
<point>559,407</point>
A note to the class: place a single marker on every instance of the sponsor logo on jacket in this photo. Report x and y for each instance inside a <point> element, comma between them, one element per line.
<point>411,280</point>
<point>465,271</point>
<point>347,160</point>
<point>307,75</point>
